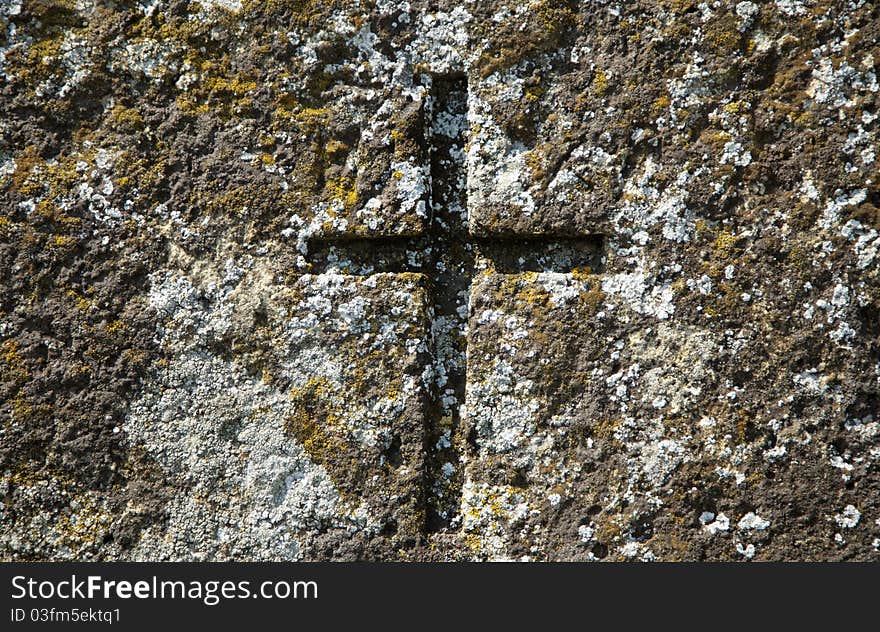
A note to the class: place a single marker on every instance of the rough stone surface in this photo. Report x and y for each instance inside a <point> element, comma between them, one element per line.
<point>387,280</point>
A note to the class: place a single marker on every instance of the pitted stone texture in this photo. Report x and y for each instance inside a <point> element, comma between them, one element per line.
<point>727,150</point>
<point>376,181</point>
<point>314,430</point>
<point>364,345</point>
<point>534,164</point>
<point>534,340</point>
<point>528,174</point>
<point>594,437</point>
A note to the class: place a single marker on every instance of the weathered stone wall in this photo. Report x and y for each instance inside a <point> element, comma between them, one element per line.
<point>314,279</point>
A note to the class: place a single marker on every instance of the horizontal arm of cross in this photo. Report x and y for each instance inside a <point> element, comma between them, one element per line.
<point>506,255</point>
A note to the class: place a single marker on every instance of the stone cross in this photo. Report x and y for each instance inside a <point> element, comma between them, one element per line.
<point>450,256</point>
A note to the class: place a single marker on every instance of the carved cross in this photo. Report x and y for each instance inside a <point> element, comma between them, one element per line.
<point>451,256</point>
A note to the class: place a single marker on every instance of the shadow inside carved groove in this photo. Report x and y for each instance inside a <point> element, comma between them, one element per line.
<point>505,255</point>
<point>513,256</point>
<point>369,256</point>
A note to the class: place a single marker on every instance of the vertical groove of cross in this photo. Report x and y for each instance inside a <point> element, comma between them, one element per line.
<point>452,256</point>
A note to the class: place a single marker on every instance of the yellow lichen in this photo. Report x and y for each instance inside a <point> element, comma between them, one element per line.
<point>660,104</point>
<point>13,367</point>
<point>337,150</point>
<point>341,189</point>
<point>600,82</point>
<point>126,119</point>
<point>84,526</point>
<point>82,303</point>
<point>724,244</point>
<point>117,326</point>
<point>312,421</point>
<point>216,89</point>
